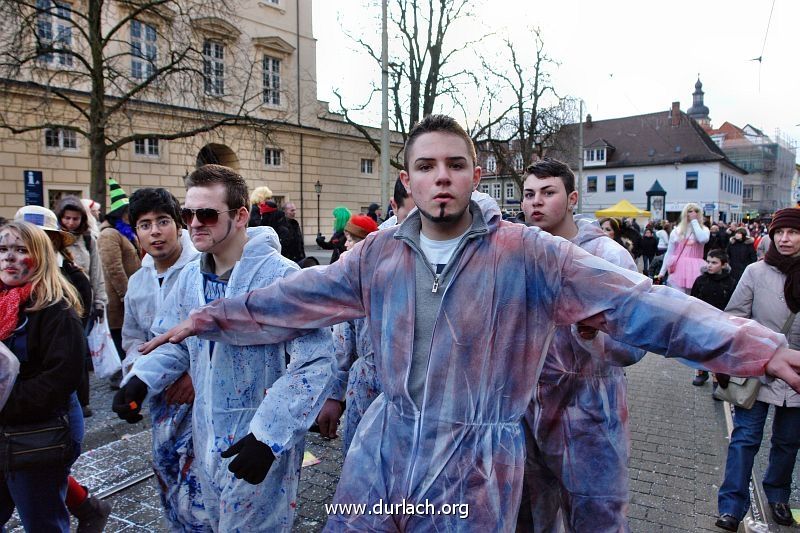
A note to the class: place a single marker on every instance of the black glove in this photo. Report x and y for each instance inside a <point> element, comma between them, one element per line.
<point>320,240</point>
<point>98,313</point>
<point>128,400</point>
<point>723,379</point>
<point>253,460</point>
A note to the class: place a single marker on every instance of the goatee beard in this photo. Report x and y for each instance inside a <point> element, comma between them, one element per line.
<point>442,218</point>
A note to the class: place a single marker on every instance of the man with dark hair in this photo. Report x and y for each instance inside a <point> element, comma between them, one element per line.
<point>460,307</point>
<point>578,418</point>
<point>155,216</point>
<point>715,286</point>
<point>401,203</point>
<point>251,411</point>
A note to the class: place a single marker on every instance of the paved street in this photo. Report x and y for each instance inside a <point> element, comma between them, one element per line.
<point>677,459</point>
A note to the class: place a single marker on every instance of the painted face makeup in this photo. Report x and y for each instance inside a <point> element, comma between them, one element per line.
<point>16,262</point>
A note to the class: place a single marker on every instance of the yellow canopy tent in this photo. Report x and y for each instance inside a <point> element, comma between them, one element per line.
<point>623,208</point>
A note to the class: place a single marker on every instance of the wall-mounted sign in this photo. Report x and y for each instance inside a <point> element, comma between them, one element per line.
<point>34,192</point>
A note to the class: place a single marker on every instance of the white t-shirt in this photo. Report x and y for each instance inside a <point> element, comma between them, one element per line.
<point>439,253</point>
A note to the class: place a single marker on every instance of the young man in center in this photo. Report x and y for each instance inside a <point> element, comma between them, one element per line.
<point>251,412</point>
<point>458,347</point>
<point>576,427</point>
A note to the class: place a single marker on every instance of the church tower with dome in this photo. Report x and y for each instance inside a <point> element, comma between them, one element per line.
<point>699,111</point>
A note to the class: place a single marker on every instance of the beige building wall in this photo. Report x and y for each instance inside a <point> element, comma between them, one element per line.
<point>315,144</point>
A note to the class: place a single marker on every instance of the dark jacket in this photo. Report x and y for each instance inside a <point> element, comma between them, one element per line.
<point>716,242</point>
<point>715,289</point>
<point>336,244</point>
<point>277,221</point>
<point>255,216</point>
<point>50,347</point>
<point>294,248</point>
<point>740,254</point>
<point>649,246</point>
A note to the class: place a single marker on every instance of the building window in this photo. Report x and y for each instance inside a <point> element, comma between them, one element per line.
<point>519,162</point>
<point>691,180</point>
<point>588,155</point>
<point>54,32</point>
<point>273,157</point>
<point>747,192</point>
<point>509,191</point>
<point>491,164</point>
<point>214,68</point>
<point>272,80</point>
<point>485,188</point>
<point>611,183</point>
<point>627,182</point>
<point>60,139</point>
<point>143,50</point>
<point>496,190</point>
<point>600,154</point>
<point>591,184</point>
<point>366,166</point>
<point>148,146</point>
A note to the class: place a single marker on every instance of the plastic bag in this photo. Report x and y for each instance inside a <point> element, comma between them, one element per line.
<point>105,358</point>
<point>9,368</point>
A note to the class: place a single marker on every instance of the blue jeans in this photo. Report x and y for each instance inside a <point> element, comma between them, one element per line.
<point>748,430</point>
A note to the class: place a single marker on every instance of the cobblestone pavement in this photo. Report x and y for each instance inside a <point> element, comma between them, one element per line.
<point>678,448</point>
<point>677,458</point>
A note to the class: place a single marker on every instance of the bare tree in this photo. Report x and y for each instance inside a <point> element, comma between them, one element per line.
<point>535,111</point>
<point>95,67</point>
<point>422,73</point>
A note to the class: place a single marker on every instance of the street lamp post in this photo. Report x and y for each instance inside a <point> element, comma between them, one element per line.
<point>318,189</point>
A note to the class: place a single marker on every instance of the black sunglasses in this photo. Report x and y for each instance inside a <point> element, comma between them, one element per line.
<point>205,215</point>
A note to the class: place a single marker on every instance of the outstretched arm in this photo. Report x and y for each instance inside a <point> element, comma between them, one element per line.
<point>630,309</point>
<point>293,306</point>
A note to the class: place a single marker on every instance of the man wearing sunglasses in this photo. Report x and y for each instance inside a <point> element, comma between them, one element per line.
<point>251,411</point>
<point>155,216</point>
<point>461,306</point>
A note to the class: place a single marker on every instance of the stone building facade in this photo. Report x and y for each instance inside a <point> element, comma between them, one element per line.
<point>300,141</point>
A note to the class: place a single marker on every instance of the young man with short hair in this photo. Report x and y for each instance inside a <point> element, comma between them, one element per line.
<point>401,203</point>
<point>714,286</point>
<point>251,411</point>
<point>578,418</point>
<point>460,307</point>
<point>155,217</point>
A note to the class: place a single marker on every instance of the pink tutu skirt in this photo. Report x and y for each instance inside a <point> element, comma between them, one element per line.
<point>687,269</point>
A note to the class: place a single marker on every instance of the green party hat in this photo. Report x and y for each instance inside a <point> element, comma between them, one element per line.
<point>119,199</point>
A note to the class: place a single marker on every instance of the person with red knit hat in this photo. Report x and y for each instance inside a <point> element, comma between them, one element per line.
<point>357,229</point>
<point>357,384</point>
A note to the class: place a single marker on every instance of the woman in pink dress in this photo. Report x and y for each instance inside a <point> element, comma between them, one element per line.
<point>684,256</point>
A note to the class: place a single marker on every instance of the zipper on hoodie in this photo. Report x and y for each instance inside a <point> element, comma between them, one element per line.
<point>471,234</point>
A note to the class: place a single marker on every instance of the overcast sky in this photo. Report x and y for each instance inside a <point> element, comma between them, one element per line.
<point>623,57</point>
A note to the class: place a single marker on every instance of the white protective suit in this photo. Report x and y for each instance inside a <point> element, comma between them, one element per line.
<point>241,390</point>
<point>173,453</point>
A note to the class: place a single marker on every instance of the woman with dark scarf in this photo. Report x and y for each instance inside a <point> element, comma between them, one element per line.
<point>755,297</point>
<point>119,252</point>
